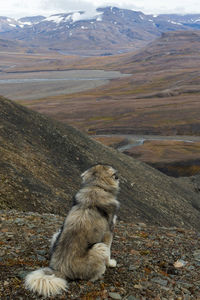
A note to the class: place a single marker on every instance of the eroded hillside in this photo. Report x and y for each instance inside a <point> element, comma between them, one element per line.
<point>41,162</point>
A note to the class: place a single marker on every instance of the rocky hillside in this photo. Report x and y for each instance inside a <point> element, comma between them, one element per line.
<point>11,46</point>
<point>41,161</point>
<point>107,30</point>
<point>152,262</point>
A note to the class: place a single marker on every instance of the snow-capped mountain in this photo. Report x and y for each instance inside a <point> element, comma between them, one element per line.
<point>9,24</point>
<point>107,29</point>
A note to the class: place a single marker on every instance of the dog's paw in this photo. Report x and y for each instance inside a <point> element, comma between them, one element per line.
<point>114,219</point>
<point>112,263</point>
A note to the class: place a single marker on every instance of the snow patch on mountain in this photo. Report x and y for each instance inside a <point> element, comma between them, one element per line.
<point>80,16</point>
<point>175,23</point>
<point>54,18</point>
<point>75,17</point>
<point>99,19</point>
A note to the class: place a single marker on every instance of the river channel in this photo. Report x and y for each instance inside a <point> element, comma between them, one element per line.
<point>137,140</point>
<point>35,85</point>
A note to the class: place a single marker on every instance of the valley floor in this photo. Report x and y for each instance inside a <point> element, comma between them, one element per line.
<point>153,262</point>
<point>38,84</point>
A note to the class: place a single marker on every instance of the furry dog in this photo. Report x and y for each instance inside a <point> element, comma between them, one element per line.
<point>81,248</point>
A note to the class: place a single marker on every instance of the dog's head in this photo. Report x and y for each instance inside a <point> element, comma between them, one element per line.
<point>104,176</point>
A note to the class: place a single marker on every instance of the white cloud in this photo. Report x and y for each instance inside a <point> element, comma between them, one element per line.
<point>19,8</point>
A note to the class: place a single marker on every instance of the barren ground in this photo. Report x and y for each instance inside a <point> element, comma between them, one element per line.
<point>152,262</point>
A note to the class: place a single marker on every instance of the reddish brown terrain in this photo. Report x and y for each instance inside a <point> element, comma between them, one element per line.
<point>175,156</point>
<point>161,97</point>
<point>170,156</point>
<point>165,80</point>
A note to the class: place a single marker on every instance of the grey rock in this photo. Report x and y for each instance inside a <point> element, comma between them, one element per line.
<point>41,252</point>
<point>131,298</point>
<point>41,258</point>
<point>160,281</point>
<point>22,274</point>
<point>190,268</point>
<point>187,285</point>
<point>19,221</point>
<point>133,267</point>
<point>196,255</point>
<point>115,296</point>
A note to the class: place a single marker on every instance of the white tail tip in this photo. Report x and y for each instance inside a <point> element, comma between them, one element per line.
<point>43,284</point>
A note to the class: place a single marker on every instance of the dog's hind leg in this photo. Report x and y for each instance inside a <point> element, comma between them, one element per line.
<point>97,258</point>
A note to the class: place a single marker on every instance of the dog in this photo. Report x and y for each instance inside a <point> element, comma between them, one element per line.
<point>81,248</point>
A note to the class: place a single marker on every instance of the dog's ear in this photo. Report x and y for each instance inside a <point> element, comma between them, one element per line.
<point>89,175</point>
<point>84,175</point>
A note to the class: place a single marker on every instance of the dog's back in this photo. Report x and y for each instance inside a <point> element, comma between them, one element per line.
<point>83,228</point>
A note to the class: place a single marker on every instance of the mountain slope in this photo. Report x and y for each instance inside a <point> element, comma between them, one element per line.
<point>107,30</point>
<point>41,162</point>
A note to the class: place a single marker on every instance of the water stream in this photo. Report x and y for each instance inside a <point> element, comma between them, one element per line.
<point>138,140</point>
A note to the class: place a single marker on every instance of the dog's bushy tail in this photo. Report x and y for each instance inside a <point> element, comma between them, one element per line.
<point>45,282</point>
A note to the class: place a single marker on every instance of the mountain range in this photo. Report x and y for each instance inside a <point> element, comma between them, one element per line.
<point>110,30</point>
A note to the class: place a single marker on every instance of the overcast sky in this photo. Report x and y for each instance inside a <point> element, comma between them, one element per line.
<point>20,8</point>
